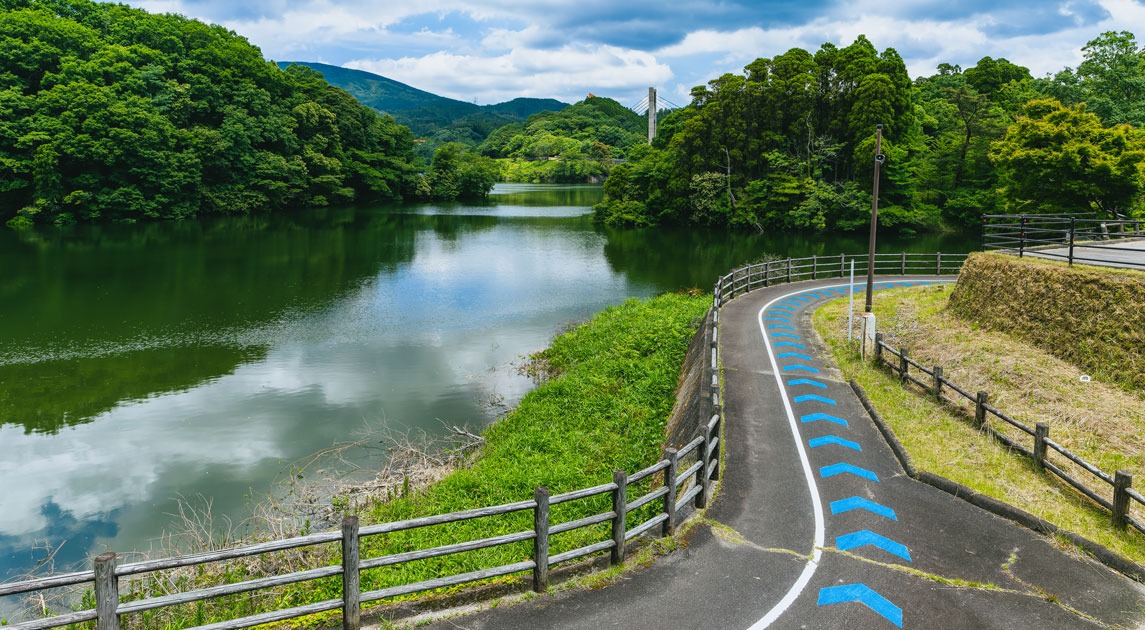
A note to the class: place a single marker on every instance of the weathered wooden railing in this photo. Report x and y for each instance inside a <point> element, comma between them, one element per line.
<point>688,476</point>
<point>935,383</point>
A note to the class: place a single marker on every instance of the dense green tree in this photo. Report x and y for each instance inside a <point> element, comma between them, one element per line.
<point>1112,78</point>
<point>112,113</point>
<point>1058,158</point>
<point>576,144</point>
<point>782,145</point>
<point>459,173</point>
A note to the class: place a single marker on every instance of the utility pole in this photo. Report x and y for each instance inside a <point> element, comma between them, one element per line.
<point>651,114</point>
<point>879,159</point>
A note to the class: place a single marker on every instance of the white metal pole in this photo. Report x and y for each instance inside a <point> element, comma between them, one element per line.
<point>851,304</point>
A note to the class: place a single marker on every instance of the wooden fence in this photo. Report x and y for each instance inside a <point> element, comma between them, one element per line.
<point>688,477</point>
<point>1121,493</point>
<point>688,474</point>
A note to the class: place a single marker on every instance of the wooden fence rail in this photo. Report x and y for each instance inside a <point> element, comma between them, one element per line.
<point>693,485</point>
<point>1121,496</point>
<point>689,475</point>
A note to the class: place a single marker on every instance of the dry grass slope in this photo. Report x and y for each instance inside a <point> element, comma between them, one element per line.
<point>1093,317</point>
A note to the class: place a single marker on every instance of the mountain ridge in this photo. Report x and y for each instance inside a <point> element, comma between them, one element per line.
<point>424,112</point>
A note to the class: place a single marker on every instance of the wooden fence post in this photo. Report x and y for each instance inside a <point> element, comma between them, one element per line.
<point>669,525</point>
<point>814,267</point>
<point>980,409</point>
<point>620,507</point>
<point>938,382</point>
<point>903,365</point>
<point>767,274</point>
<point>789,271</point>
<point>106,592</point>
<point>878,347</point>
<point>351,578</point>
<point>1121,483</point>
<point>541,542</point>
<point>903,271</point>
<point>1041,432</point>
<point>842,265</point>
<point>938,263</point>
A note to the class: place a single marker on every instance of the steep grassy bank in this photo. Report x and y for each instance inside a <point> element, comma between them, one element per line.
<point>1093,317</point>
<point>608,387</point>
<point>1098,420</point>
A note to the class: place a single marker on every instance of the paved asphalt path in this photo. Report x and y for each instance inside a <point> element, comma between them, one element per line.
<point>817,526</point>
<point>1130,253</point>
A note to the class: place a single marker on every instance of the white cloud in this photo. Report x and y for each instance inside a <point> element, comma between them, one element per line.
<point>568,73</point>
<point>501,49</point>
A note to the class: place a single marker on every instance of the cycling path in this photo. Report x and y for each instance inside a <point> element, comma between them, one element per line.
<point>817,526</point>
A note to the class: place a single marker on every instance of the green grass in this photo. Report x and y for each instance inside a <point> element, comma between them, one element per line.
<point>1027,383</point>
<point>607,390</point>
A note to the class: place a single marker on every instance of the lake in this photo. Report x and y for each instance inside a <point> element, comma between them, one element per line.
<point>207,360</point>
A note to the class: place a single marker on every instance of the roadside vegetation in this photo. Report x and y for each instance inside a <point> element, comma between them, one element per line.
<point>1100,420</point>
<point>790,143</point>
<point>605,391</point>
<point>576,144</point>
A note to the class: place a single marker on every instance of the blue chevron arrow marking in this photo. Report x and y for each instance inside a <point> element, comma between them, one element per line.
<point>789,344</point>
<point>807,381</point>
<point>844,467</point>
<point>779,327</point>
<point>792,355</point>
<point>787,335</point>
<point>773,318</point>
<point>867,537</point>
<point>815,417</point>
<point>861,503</point>
<point>800,368</point>
<point>834,439</point>
<point>864,595</point>
<point>814,398</point>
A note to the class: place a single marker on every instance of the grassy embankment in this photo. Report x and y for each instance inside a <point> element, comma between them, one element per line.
<point>985,334</point>
<point>608,387</point>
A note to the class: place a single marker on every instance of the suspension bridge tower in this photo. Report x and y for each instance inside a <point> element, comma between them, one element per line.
<point>651,114</point>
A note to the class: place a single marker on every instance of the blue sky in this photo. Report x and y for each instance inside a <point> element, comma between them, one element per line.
<point>491,51</point>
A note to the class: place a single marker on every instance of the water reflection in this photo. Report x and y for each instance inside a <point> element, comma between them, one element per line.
<point>140,363</point>
<point>205,360</point>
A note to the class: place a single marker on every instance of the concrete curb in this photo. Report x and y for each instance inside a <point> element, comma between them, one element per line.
<point>1099,552</point>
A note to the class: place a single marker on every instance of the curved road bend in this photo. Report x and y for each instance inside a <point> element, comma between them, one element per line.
<point>817,526</point>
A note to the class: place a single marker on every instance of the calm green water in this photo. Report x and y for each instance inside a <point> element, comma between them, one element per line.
<point>143,363</point>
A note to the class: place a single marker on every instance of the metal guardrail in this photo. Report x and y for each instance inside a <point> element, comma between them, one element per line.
<point>688,473</point>
<point>1042,235</point>
<point>768,273</point>
<point>937,384</point>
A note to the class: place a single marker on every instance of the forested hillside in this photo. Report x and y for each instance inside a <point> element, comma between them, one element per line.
<point>435,120</point>
<point>577,144</point>
<point>790,143</point>
<point>112,113</point>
